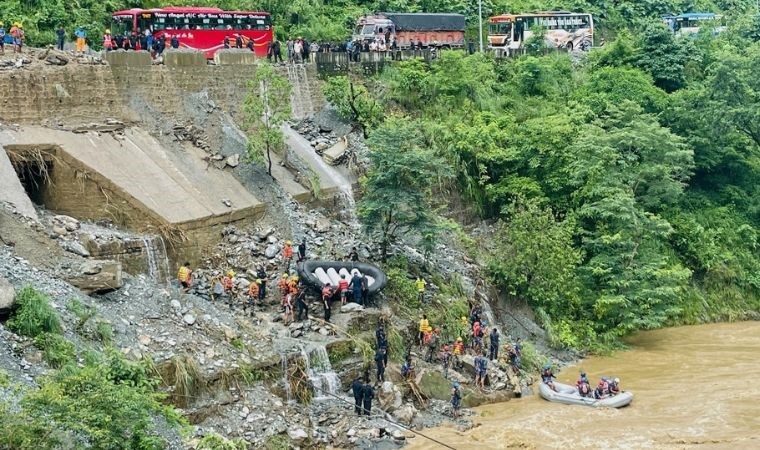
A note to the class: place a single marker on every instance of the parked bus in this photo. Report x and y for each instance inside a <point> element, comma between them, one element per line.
<point>203,29</point>
<point>571,31</point>
<point>691,23</point>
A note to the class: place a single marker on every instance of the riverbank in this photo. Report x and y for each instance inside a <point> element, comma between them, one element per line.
<point>693,388</point>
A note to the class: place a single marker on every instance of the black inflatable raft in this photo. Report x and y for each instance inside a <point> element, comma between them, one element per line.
<point>317,273</point>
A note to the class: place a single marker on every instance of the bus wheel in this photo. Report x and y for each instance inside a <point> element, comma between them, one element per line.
<point>569,47</point>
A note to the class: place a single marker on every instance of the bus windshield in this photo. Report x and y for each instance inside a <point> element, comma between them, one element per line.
<point>500,28</point>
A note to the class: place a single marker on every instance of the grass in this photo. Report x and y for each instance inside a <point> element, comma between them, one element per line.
<point>56,349</point>
<point>104,332</point>
<point>34,315</point>
<point>214,441</point>
<point>237,343</point>
<point>82,312</point>
<point>183,374</point>
<point>277,442</point>
<point>5,379</point>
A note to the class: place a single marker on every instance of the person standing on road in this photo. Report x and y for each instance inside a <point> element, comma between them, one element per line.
<point>81,39</point>
<point>60,33</point>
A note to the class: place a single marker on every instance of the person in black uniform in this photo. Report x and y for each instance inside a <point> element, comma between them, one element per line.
<point>358,389</point>
<point>368,393</point>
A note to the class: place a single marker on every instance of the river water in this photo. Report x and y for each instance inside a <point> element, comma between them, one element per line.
<point>694,387</point>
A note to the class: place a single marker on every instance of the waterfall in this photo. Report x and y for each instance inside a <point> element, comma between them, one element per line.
<point>320,372</point>
<point>285,381</point>
<point>156,258</point>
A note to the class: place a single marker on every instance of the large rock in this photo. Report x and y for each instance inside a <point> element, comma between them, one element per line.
<point>7,295</point>
<point>76,248</point>
<point>351,307</point>
<point>389,396</point>
<point>297,435</point>
<point>272,251</point>
<point>406,414</point>
<point>97,276</point>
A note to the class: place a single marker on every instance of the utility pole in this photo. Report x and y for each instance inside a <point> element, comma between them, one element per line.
<point>480,24</point>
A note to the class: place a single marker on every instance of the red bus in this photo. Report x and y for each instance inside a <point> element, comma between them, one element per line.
<point>203,29</point>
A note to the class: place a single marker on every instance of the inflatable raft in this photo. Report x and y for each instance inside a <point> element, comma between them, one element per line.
<point>568,395</point>
<point>317,273</point>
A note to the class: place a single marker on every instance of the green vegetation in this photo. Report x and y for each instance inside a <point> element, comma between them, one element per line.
<point>214,441</point>
<point>265,109</point>
<point>107,403</point>
<point>624,183</point>
<point>57,351</point>
<point>33,315</point>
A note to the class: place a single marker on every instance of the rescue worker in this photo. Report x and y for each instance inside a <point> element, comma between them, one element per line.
<point>229,287</point>
<point>81,39</point>
<point>477,336</point>
<point>287,307</point>
<point>380,364</point>
<point>284,287</point>
<point>602,389</point>
<point>614,386</point>
<point>287,254</point>
<point>368,394</point>
<point>353,255</point>
<point>365,290</point>
<point>493,348</point>
<point>456,399</point>
<point>302,250</point>
<point>253,294</point>
<point>420,283</point>
<point>60,33</point>
<point>423,328</point>
<point>238,41</point>
<point>446,359</point>
<point>481,366</point>
<point>342,288</point>
<point>301,305</point>
<point>327,294</point>
<point>547,376</point>
<point>217,288</point>
<point>584,388</point>
<point>380,336</point>
<point>2,38</point>
<point>262,275</point>
<point>432,344</point>
<point>175,41</point>
<point>356,287</point>
<point>107,41</point>
<point>357,387</point>
<point>185,276</point>
<point>457,352</point>
<point>407,369</point>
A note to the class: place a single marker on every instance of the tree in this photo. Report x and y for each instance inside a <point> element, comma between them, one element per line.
<point>627,169</point>
<point>396,195</point>
<point>265,109</point>
<point>354,102</point>
<point>664,57</point>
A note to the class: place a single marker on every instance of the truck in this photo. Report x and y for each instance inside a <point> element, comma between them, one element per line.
<point>409,29</point>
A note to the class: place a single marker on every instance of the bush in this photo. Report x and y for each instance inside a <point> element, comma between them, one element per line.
<point>214,441</point>
<point>56,350</point>
<point>33,315</point>
<point>532,359</point>
<point>104,332</point>
<point>82,312</point>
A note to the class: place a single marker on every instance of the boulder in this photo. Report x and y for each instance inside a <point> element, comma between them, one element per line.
<point>188,319</point>
<point>233,160</point>
<point>322,225</point>
<point>272,251</point>
<point>351,307</point>
<point>434,385</point>
<point>297,435</point>
<point>389,396</point>
<point>76,248</point>
<point>97,276</point>
<point>406,414</point>
<point>7,295</point>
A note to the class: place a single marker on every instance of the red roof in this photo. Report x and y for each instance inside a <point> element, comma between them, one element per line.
<point>185,9</point>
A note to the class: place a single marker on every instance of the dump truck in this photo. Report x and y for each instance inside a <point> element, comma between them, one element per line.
<point>409,29</point>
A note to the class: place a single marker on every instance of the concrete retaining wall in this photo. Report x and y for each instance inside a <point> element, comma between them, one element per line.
<point>184,59</point>
<point>128,58</point>
<point>235,58</point>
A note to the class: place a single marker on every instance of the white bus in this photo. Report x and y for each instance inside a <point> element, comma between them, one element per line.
<point>571,31</point>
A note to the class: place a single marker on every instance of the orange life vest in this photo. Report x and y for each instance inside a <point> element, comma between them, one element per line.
<point>107,41</point>
<point>253,290</point>
<point>287,252</point>
<point>227,283</point>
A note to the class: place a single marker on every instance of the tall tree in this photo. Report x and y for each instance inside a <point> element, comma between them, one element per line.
<point>396,195</point>
<point>265,109</point>
<point>628,169</point>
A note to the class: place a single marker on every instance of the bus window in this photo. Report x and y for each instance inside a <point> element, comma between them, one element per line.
<point>519,30</point>
<point>500,28</point>
<point>121,26</point>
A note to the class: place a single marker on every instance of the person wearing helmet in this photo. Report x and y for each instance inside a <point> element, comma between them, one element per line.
<point>614,386</point>
<point>584,388</point>
<point>432,344</point>
<point>456,353</point>
<point>253,294</point>
<point>284,286</point>
<point>81,35</point>
<point>107,41</point>
<point>229,287</point>
<point>456,399</point>
<point>602,389</point>
<point>185,276</point>
<point>547,376</point>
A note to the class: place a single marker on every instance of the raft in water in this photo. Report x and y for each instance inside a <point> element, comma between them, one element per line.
<point>568,395</point>
<point>317,273</point>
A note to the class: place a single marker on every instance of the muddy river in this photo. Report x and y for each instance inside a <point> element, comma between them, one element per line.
<point>695,387</point>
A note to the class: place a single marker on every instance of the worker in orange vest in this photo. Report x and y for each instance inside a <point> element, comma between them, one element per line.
<point>287,254</point>
<point>253,294</point>
<point>284,285</point>
<point>229,287</point>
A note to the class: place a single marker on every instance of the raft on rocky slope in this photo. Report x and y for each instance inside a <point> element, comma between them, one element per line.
<point>317,273</point>
<point>568,395</point>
